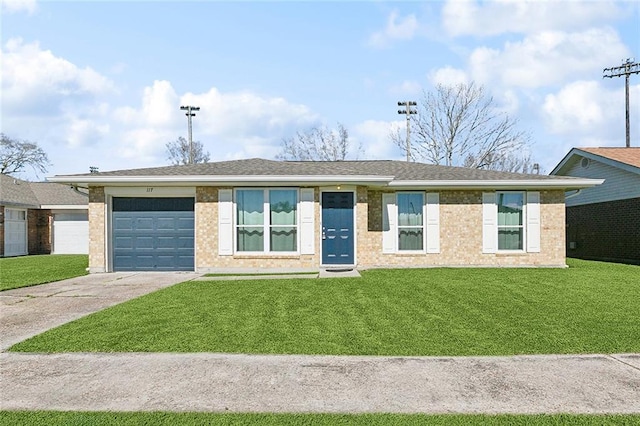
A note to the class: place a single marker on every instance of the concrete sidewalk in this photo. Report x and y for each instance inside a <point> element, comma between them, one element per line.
<point>280,383</point>
<point>27,311</point>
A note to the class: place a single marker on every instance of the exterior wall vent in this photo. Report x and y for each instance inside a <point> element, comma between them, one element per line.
<point>584,163</point>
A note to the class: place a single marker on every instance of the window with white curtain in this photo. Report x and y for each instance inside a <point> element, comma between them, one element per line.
<point>410,221</point>
<point>511,222</point>
<point>275,231</point>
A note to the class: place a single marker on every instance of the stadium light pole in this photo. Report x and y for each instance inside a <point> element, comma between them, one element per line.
<point>408,111</point>
<point>190,114</point>
<point>627,68</point>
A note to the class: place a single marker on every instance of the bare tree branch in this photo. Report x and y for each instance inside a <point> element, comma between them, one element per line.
<point>178,152</point>
<point>460,126</point>
<point>15,155</point>
<point>319,144</point>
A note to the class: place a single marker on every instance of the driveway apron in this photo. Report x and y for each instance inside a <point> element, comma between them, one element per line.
<point>27,311</point>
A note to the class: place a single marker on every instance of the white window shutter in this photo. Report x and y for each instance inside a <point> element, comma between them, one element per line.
<point>307,221</point>
<point>433,222</point>
<point>225,222</point>
<point>533,222</point>
<point>489,223</point>
<point>389,220</point>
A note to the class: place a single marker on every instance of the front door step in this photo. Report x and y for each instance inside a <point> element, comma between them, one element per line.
<point>339,273</point>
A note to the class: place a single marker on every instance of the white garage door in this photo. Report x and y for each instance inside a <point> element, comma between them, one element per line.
<point>15,232</point>
<point>70,233</point>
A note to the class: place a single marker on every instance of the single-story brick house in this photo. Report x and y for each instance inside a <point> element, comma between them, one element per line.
<point>272,215</point>
<point>603,223</point>
<point>42,218</point>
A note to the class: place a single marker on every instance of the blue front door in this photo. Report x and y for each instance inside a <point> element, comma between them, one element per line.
<point>337,228</point>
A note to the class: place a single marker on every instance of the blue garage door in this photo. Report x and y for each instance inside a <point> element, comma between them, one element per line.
<point>153,234</point>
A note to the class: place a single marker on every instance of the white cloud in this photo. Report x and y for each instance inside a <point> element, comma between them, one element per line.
<point>35,80</point>
<point>230,125</point>
<point>491,18</point>
<point>14,6</point>
<point>406,88</point>
<point>448,76</point>
<point>588,114</point>
<point>397,28</point>
<point>375,140</point>
<point>245,114</point>
<point>547,58</point>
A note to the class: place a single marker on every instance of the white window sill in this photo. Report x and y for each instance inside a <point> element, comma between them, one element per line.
<point>260,255</point>
<point>511,253</point>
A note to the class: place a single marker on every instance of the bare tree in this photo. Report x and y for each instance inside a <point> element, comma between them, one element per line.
<point>178,152</point>
<point>509,162</point>
<point>15,155</point>
<point>461,126</point>
<point>319,144</point>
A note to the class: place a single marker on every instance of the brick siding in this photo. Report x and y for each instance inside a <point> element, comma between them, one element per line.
<point>97,223</point>
<point>39,224</point>
<point>460,235</point>
<point>608,231</point>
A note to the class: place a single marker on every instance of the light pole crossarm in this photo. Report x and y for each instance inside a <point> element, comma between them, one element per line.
<point>408,111</point>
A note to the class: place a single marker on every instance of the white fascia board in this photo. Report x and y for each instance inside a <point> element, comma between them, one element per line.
<point>218,180</point>
<point>22,206</point>
<point>65,206</point>
<point>499,184</point>
<point>562,162</point>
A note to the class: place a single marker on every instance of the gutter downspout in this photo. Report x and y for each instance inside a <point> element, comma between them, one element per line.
<point>578,191</point>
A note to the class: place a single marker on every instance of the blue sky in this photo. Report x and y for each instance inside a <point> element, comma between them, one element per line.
<point>101,83</point>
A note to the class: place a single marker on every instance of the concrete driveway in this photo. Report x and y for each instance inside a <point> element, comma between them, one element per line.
<point>25,312</point>
<point>283,383</point>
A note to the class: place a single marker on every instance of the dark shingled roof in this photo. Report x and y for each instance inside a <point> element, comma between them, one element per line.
<point>34,194</point>
<point>399,170</point>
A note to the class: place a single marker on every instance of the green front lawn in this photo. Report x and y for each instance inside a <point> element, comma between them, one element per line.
<point>42,418</point>
<point>16,272</point>
<point>591,307</point>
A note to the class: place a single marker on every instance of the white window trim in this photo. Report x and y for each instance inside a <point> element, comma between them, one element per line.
<point>266,226</point>
<point>523,226</point>
<point>430,223</point>
<point>424,224</point>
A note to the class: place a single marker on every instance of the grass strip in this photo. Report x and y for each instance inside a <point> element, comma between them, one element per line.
<point>43,418</point>
<point>25,271</point>
<point>262,274</point>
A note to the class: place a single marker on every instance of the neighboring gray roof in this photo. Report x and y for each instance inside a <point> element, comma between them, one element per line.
<point>18,192</point>
<point>56,194</point>
<point>399,170</point>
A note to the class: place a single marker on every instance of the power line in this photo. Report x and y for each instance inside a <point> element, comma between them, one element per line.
<point>189,114</point>
<point>627,68</point>
<point>408,111</point>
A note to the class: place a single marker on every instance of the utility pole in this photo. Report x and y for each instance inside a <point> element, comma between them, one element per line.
<point>408,111</point>
<point>189,114</point>
<point>627,68</point>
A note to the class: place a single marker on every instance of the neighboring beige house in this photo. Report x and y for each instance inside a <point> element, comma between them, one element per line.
<point>603,223</point>
<point>271,215</point>
<point>42,218</point>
